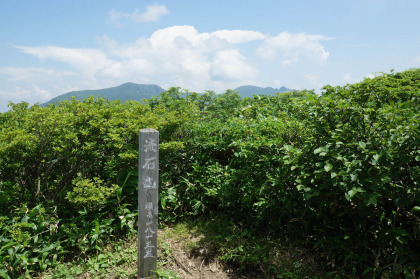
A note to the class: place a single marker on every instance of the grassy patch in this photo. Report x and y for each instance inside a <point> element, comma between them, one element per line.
<point>116,260</point>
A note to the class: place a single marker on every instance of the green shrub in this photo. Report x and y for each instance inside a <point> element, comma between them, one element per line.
<point>70,159</point>
<point>338,172</point>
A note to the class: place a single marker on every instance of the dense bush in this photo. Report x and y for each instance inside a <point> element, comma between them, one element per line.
<point>338,172</point>
<point>69,163</point>
<point>43,150</point>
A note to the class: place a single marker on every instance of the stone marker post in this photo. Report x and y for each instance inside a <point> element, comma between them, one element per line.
<point>148,202</point>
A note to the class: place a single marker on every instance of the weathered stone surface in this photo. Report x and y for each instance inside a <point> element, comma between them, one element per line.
<point>148,202</point>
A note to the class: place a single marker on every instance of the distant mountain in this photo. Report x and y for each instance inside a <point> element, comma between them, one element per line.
<point>250,90</point>
<point>124,92</point>
<point>137,92</point>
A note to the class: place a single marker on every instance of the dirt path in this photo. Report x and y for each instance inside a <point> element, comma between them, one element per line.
<point>188,267</point>
<point>190,260</point>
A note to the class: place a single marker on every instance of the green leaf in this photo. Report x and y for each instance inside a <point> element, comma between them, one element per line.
<point>401,231</point>
<point>118,191</point>
<point>300,187</point>
<point>288,148</point>
<point>375,159</point>
<point>318,150</point>
<point>367,270</point>
<point>350,194</point>
<point>386,179</point>
<point>328,167</point>
<point>3,274</point>
<point>333,174</point>
<point>96,226</point>
<point>415,209</point>
<point>245,108</point>
<point>373,201</point>
<point>24,259</point>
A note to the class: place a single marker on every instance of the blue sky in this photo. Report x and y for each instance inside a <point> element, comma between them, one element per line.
<point>51,47</point>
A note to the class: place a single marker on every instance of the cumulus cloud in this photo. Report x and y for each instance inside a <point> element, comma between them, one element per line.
<point>238,36</point>
<point>231,65</point>
<point>188,36</point>
<point>152,13</point>
<point>183,56</point>
<point>291,48</point>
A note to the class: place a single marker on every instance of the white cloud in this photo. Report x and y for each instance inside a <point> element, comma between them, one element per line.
<point>43,94</point>
<point>69,89</point>
<point>182,56</point>
<point>291,48</point>
<point>347,77</point>
<point>86,61</point>
<point>374,75</point>
<point>19,73</point>
<point>188,57</point>
<point>231,65</point>
<point>174,36</point>
<point>17,93</point>
<point>238,36</point>
<point>152,13</point>
<point>115,17</point>
<point>188,36</point>
<point>128,68</point>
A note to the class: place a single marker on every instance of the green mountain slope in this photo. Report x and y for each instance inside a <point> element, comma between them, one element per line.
<point>124,92</point>
<point>250,90</point>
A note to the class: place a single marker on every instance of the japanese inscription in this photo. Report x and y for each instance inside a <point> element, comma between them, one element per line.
<point>148,202</point>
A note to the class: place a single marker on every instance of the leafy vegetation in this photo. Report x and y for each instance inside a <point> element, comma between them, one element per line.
<point>336,174</point>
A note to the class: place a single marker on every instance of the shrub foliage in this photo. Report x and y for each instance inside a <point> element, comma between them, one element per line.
<point>338,172</point>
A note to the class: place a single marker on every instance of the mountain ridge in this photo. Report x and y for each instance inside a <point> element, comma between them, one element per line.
<point>251,90</point>
<point>124,92</point>
<point>137,92</point>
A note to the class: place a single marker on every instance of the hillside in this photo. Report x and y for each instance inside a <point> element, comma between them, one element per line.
<point>251,90</point>
<point>124,92</point>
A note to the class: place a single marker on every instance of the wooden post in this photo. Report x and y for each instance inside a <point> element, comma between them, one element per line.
<point>148,202</point>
